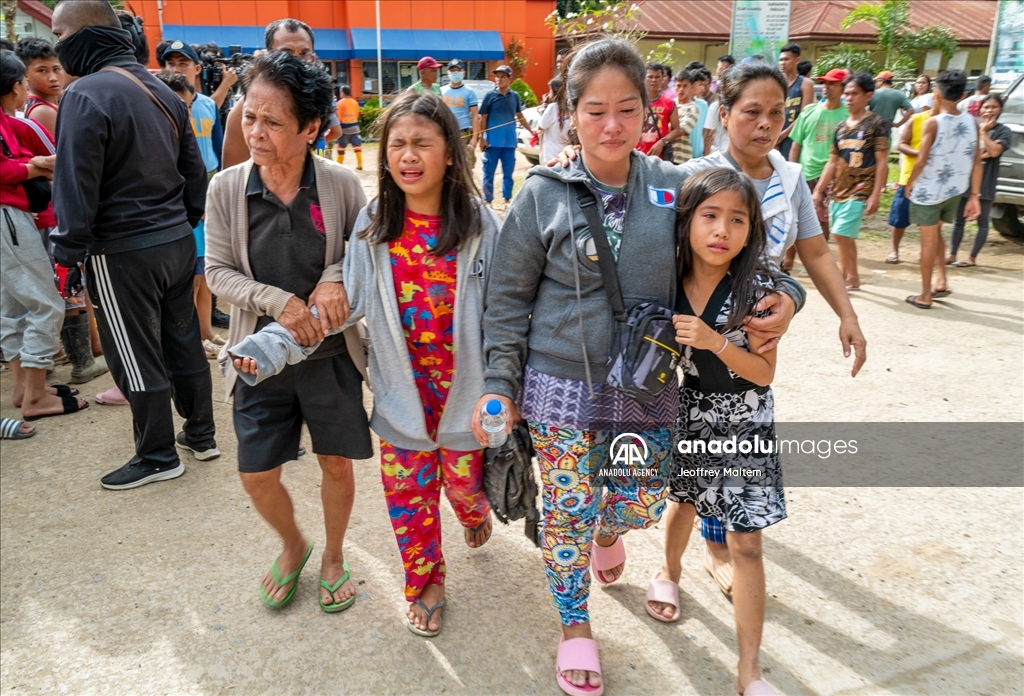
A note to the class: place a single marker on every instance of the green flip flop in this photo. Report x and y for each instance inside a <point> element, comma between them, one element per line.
<point>337,606</point>
<point>281,582</point>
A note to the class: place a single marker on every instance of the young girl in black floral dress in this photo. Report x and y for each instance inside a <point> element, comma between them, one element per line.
<point>727,464</point>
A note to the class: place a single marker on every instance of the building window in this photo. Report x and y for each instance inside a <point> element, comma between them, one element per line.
<point>476,70</point>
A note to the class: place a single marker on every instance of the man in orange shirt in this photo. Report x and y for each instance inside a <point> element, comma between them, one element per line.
<point>348,115</point>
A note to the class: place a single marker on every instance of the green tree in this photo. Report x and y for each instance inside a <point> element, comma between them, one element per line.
<point>845,56</point>
<point>518,57</point>
<point>901,46</point>
<point>666,53</point>
<point>583,19</point>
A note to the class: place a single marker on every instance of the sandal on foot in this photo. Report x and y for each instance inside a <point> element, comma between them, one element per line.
<point>63,390</point>
<point>964,264</point>
<point>941,293</point>
<point>281,582</point>
<point>759,688</point>
<point>344,604</point>
<point>578,654</point>
<point>426,632</point>
<point>604,558</point>
<point>666,592</point>
<point>912,300</point>
<point>720,572</point>
<point>111,397</point>
<point>893,257</point>
<point>70,404</point>
<point>10,429</point>
<point>473,531</point>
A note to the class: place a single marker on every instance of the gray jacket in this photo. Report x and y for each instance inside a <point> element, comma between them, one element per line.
<point>546,303</point>
<point>397,409</point>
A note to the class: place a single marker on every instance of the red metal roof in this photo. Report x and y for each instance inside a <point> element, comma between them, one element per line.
<point>36,10</point>
<point>814,20</point>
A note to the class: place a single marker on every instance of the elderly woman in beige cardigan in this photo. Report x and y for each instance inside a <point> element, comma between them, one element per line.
<point>275,232</point>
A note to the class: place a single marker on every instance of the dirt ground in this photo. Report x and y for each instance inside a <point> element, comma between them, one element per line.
<point>870,591</point>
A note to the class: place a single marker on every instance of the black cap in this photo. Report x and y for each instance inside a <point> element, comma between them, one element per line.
<point>456,63</point>
<point>503,69</point>
<point>182,48</point>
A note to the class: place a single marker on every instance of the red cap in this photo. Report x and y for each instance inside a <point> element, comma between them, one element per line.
<point>427,62</point>
<point>884,75</point>
<point>834,75</point>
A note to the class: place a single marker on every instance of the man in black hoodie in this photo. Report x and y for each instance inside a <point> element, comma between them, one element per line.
<point>129,186</point>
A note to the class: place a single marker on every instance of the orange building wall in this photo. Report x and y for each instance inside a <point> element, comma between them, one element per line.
<point>522,19</point>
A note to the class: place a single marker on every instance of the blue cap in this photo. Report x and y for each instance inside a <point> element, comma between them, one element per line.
<point>493,407</point>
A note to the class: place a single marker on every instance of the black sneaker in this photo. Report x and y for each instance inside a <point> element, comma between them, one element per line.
<point>201,452</point>
<point>219,319</point>
<point>135,474</point>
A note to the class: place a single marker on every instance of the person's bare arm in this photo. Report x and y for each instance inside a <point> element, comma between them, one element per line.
<point>908,111</point>
<point>928,133</point>
<point>993,148</point>
<point>45,117</point>
<point>675,131</point>
<point>523,122</point>
<point>904,144</point>
<point>821,267</point>
<point>973,208</point>
<point>827,174</point>
<point>794,152</point>
<point>758,368</point>
<point>474,118</point>
<point>229,78</point>
<point>235,150</point>
<point>483,136</point>
<point>881,175</point>
<point>332,134</point>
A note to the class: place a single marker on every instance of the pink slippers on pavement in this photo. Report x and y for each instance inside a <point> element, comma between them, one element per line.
<point>664,591</point>
<point>578,654</point>
<point>604,558</point>
<point>759,688</point>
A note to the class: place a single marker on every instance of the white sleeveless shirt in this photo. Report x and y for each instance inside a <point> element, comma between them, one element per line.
<point>947,173</point>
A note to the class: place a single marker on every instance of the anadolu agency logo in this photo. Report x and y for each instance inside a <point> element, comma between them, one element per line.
<point>626,452</point>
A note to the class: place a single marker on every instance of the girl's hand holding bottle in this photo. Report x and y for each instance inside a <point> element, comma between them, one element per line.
<point>477,426</point>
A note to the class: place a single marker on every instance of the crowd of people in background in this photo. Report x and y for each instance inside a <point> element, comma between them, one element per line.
<point>118,235</point>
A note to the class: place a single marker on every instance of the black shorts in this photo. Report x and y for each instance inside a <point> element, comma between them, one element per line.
<point>327,393</point>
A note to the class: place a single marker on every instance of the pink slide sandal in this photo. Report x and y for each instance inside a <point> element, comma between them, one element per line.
<point>604,558</point>
<point>578,654</point>
<point>759,688</point>
<point>664,591</point>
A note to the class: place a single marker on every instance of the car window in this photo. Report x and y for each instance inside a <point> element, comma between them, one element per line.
<point>1013,104</point>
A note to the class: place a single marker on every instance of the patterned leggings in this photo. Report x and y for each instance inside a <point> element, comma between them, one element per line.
<point>412,489</point>
<point>574,506</point>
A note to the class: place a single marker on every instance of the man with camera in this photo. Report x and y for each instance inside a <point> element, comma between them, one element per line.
<point>291,36</point>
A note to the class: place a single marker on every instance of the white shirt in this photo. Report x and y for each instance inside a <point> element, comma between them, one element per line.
<point>922,102</point>
<point>555,135</point>
<point>720,140</point>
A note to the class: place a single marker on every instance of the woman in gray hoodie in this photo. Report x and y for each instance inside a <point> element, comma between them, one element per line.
<point>548,331</point>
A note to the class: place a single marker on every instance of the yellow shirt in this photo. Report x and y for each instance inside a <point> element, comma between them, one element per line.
<point>916,124</point>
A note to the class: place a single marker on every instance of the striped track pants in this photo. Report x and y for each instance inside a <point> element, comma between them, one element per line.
<point>150,335</point>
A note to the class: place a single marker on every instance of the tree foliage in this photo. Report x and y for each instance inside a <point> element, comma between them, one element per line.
<point>666,53</point>
<point>901,46</point>
<point>845,56</point>
<point>580,20</point>
<point>518,57</point>
<point>525,93</point>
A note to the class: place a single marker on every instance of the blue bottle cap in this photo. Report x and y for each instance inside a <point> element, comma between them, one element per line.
<point>493,407</point>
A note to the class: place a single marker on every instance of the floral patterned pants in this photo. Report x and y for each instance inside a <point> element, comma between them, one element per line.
<point>575,504</point>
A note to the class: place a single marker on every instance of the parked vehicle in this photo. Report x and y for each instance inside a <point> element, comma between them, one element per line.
<point>529,146</point>
<point>1008,209</point>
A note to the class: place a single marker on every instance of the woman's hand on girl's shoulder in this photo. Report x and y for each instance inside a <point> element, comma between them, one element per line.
<point>567,155</point>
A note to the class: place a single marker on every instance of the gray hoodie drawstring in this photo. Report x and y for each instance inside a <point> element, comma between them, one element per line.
<point>579,296</point>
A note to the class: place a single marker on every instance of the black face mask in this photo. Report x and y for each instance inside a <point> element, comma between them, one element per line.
<point>89,49</point>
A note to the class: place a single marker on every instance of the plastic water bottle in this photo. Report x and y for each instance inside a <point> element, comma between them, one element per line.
<point>493,419</point>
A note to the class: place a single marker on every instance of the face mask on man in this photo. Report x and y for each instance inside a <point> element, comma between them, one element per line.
<point>456,77</point>
<point>90,48</point>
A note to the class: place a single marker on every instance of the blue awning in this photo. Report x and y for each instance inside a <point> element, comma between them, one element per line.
<point>331,44</point>
<point>442,45</point>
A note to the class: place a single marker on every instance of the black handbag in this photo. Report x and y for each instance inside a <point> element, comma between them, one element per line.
<point>38,190</point>
<point>644,350</point>
<point>509,483</point>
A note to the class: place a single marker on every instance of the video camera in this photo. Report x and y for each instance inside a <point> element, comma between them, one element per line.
<point>214,66</point>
